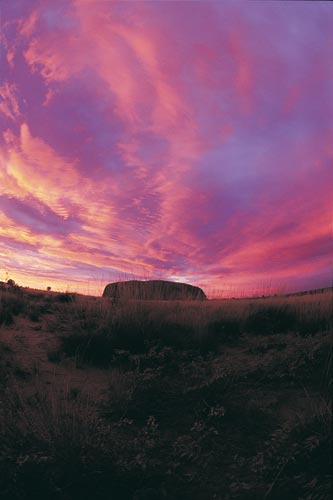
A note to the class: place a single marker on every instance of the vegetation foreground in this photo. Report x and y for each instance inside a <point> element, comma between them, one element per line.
<point>135,400</point>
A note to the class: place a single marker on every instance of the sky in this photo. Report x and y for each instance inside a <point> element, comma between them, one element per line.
<point>181,140</point>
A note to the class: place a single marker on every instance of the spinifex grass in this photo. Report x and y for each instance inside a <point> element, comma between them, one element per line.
<point>95,328</point>
<point>218,399</point>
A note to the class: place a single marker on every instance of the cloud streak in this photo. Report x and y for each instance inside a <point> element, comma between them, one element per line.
<point>189,141</point>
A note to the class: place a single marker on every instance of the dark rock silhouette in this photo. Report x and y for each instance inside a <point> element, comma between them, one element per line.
<point>153,290</point>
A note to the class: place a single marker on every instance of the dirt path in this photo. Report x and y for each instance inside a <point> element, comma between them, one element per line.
<point>30,343</point>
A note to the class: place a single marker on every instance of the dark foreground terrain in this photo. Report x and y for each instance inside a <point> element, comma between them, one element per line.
<point>164,400</point>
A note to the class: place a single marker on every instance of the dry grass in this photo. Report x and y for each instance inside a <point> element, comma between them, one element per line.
<point>225,399</point>
<point>96,327</point>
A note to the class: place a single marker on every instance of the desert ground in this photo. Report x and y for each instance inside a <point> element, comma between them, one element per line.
<point>143,400</point>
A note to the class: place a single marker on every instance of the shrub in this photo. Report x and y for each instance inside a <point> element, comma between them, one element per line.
<point>311,326</point>
<point>54,355</point>
<point>227,329</point>
<point>10,305</point>
<point>90,348</point>
<point>121,387</point>
<point>65,297</point>
<point>270,319</point>
<point>54,446</point>
<point>305,455</point>
<point>172,334</point>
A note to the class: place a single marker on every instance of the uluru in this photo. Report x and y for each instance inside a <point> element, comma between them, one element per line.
<point>153,290</point>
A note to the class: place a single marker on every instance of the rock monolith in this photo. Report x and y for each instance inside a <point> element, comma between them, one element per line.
<point>153,290</point>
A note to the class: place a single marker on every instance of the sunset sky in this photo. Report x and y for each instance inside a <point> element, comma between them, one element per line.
<point>190,141</point>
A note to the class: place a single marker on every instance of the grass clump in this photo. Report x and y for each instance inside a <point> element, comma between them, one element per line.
<point>90,348</point>
<point>53,445</point>
<point>299,463</point>
<point>11,305</point>
<point>64,298</point>
<point>270,319</point>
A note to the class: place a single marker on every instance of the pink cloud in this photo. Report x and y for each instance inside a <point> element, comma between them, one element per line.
<point>9,105</point>
<point>148,139</point>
